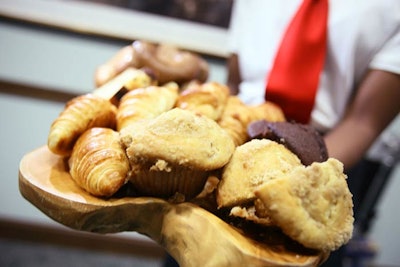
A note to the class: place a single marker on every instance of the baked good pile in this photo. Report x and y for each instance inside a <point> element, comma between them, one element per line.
<point>169,133</point>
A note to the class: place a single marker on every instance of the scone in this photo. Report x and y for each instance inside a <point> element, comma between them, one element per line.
<point>175,152</point>
<point>312,205</point>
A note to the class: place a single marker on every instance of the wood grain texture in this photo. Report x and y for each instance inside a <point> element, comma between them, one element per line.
<point>192,235</point>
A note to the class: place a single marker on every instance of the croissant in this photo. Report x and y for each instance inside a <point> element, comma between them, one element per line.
<point>267,111</point>
<point>169,63</point>
<point>129,79</point>
<point>98,162</point>
<point>208,99</point>
<point>115,65</point>
<point>235,118</point>
<point>80,113</point>
<point>146,103</point>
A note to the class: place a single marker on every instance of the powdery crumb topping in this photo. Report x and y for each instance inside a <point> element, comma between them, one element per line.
<point>179,137</point>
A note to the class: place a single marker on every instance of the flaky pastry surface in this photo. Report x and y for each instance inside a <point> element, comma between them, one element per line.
<point>80,113</point>
<point>145,103</point>
<point>208,99</point>
<point>98,162</point>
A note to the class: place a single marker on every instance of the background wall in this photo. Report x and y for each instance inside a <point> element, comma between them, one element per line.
<point>65,63</point>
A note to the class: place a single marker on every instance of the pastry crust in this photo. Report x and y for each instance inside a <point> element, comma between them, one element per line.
<point>170,63</point>
<point>267,111</point>
<point>128,80</point>
<point>167,62</point>
<point>237,116</point>
<point>250,214</point>
<point>98,162</point>
<point>208,99</point>
<point>80,113</point>
<point>145,103</point>
<point>115,65</point>
<point>312,205</point>
<point>234,120</point>
<point>252,164</point>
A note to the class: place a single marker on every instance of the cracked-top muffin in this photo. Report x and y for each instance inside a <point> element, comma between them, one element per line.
<point>175,152</point>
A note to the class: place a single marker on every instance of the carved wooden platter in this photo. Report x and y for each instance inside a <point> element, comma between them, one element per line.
<point>191,234</point>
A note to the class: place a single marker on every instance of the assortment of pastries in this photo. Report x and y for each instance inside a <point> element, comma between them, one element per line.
<point>173,135</point>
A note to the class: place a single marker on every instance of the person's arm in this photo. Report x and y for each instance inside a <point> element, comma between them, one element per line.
<point>375,105</point>
<point>234,78</point>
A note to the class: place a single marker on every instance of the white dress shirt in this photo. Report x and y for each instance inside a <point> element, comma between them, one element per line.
<point>362,34</point>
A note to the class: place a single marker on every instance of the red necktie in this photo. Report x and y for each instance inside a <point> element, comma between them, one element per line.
<point>294,78</point>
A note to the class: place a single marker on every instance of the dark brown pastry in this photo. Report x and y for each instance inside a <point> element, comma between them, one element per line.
<point>303,140</point>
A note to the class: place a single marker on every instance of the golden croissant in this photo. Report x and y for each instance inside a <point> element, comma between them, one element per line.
<point>267,111</point>
<point>145,103</point>
<point>208,99</point>
<point>98,162</point>
<point>237,116</point>
<point>235,119</point>
<point>80,113</point>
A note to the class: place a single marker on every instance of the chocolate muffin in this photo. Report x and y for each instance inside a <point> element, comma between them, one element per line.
<point>303,140</point>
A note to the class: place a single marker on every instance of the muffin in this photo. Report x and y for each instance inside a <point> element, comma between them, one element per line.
<point>265,183</point>
<point>252,164</point>
<point>175,152</point>
<point>312,205</point>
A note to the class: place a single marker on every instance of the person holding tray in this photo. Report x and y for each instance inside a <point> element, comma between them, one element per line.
<point>342,77</point>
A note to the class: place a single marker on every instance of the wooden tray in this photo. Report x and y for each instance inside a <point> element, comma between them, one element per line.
<point>191,234</point>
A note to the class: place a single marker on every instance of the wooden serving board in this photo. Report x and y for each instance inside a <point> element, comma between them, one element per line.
<point>191,234</point>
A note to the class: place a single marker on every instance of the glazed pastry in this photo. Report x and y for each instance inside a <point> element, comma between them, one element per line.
<point>127,80</point>
<point>168,63</point>
<point>98,162</point>
<point>208,99</point>
<point>81,113</point>
<point>312,205</point>
<point>115,65</point>
<point>237,116</point>
<point>175,152</point>
<point>145,103</point>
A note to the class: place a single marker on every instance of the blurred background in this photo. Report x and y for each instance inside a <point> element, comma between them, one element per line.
<point>48,53</point>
